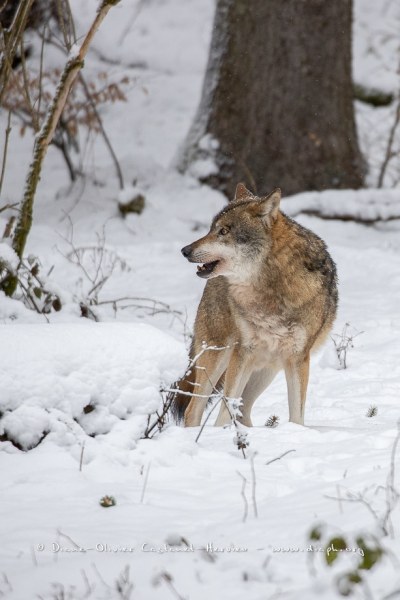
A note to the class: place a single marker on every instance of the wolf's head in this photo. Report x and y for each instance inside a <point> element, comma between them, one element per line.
<point>239,235</point>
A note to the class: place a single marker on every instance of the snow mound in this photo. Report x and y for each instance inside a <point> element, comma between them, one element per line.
<point>78,380</point>
<point>368,205</point>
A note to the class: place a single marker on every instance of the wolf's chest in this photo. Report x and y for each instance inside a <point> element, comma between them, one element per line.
<point>271,334</point>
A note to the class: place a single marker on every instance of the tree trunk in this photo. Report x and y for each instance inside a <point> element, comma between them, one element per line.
<point>277,99</point>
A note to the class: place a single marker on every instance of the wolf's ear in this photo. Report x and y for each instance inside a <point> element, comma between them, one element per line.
<point>270,206</point>
<point>242,192</point>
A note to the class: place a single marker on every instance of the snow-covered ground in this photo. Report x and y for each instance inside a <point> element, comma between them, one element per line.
<point>78,392</point>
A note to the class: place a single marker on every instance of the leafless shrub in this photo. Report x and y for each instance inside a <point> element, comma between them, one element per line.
<point>392,495</point>
<point>27,96</point>
<point>343,342</point>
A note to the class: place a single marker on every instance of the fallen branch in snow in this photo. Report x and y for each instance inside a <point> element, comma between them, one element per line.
<point>371,95</point>
<point>365,206</point>
<point>45,136</point>
<point>279,457</point>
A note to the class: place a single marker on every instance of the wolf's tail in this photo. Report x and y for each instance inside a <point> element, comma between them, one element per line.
<point>181,397</point>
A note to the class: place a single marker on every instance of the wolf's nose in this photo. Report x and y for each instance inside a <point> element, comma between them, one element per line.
<point>186,251</point>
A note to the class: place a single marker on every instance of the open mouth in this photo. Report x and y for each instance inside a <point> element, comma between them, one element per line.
<point>206,269</point>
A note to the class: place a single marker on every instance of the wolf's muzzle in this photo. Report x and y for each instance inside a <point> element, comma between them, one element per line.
<point>187,251</point>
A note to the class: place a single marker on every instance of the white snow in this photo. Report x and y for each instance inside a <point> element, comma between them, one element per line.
<point>178,518</point>
<point>8,256</point>
<point>367,205</point>
<point>114,369</point>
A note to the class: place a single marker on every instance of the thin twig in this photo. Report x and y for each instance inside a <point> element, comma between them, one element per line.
<point>168,580</point>
<point>67,537</point>
<point>146,477</point>
<point>339,499</point>
<point>243,494</point>
<point>279,457</point>
<point>103,132</point>
<point>34,558</point>
<point>4,159</point>
<point>253,485</point>
<point>26,91</point>
<point>392,495</point>
<point>81,459</point>
<point>208,416</point>
<point>359,499</point>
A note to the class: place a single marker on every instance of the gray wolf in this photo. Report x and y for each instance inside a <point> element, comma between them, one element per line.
<point>269,301</point>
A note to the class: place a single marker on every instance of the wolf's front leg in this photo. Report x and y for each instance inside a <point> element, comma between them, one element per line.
<point>236,377</point>
<point>209,368</point>
<point>296,371</point>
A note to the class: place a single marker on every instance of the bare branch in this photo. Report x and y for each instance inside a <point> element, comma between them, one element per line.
<point>4,159</point>
<point>12,39</point>
<point>279,457</point>
<point>45,136</point>
<point>243,494</point>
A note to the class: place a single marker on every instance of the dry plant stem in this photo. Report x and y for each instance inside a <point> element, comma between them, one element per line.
<point>207,417</point>
<point>146,478</point>
<point>34,559</point>
<point>45,136</point>
<point>6,207</point>
<point>26,92</point>
<point>243,494</point>
<point>168,580</point>
<point>11,39</point>
<point>61,21</point>
<point>392,495</point>
<point>4,159</point>
<point>253,486</point>
<point>39,100</point>
<point>67,42</point>
<point>103,133</point>
<point>279,457</point>
<point>81,459</point>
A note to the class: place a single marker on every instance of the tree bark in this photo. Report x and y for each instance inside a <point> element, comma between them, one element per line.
<point>277,100</point>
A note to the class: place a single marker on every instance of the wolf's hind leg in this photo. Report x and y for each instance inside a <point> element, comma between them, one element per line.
<point>296,371</point>
<point>257,383</point>
<point>209,369</point>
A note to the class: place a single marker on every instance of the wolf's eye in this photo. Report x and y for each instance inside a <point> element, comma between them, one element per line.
<point>223,231</point>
